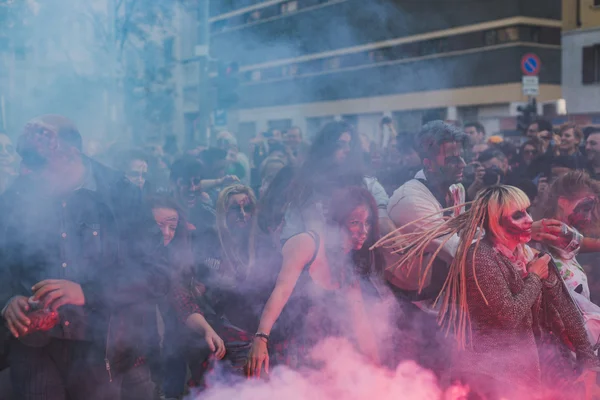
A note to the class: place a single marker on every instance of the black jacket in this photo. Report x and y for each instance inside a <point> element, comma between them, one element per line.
<point>103,238</point>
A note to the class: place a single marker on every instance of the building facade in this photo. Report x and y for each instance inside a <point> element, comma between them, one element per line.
<point>581,56</point>
<point>306,62</point>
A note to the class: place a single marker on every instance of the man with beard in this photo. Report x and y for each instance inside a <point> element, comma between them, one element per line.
<point>420,202</point>
<point>436,187</point>
<point>79,279</point>
<point>592,151</point>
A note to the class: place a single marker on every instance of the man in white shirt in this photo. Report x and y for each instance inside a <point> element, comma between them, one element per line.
<point>435,188</point>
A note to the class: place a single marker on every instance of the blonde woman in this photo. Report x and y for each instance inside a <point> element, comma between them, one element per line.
<point>499,299</point>
<point>226,289</point>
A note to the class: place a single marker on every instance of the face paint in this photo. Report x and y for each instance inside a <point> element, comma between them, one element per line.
<point>239,211</point>
<point>517,226</point>
<point>582,212</point>
<point>359,226</point>
<point>167,219</point>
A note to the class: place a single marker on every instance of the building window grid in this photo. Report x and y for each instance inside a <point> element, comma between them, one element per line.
<point>418,49</point>
<point>591,65</point>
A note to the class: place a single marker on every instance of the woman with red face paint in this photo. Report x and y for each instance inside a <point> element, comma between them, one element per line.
<point>322,287</point>
<point>572,199</point>
<point>499,299</point>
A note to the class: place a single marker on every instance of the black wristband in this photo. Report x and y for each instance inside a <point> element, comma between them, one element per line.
<point>262,335</point>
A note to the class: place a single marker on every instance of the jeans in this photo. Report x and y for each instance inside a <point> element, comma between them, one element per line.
<point>61,370</point>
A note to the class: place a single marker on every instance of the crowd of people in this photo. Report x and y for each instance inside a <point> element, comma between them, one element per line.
<point>146,273</point>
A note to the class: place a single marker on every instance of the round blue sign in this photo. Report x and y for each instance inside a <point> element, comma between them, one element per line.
<point>530,64</point>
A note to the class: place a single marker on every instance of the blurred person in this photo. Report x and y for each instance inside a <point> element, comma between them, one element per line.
<point>386,133</point>
<point>228,142</point>
<point>501,300</point>
<point>8,158</point>
<point>571,200</point>
<point>134,164</point>
<point>187,174</point>
<point>437,186</point>
<point>476,133</point>
<point>592,152</point>
<point>79,271</point>
<point>268,170</point>
<point>230,286</point>
<point>477,149</point>
<point>333,161</point>
<point>321,288</point>
<point>215,172</point>
<point>571,138</point>
<point>177,249</point>
<point>396,172</point>
<point>273,202</point>
<point>528,154</point>
<point>294,140</point>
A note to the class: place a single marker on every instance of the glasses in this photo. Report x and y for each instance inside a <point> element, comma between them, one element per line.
<point>530,152</point>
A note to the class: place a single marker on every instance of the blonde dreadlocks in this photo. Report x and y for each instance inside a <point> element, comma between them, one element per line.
<point>484,216</point>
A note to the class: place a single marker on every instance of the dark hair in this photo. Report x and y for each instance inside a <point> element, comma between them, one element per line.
<point>319,171</point>
<point>543,125</point>
<point>405,143</point>
<point>212,155</point>
<point>343,202</point>
<point>272,204</point>
<point>533,142</point>
<point>123,158</point>
<point>435,133</point>
<point>478,126</point>
<point>590,130</point>
<point>564,161</point>
<point>179,250</point>
<point>488,154</point>
<point>186,167</point>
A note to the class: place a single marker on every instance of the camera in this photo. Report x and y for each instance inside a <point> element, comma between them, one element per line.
<point>493,176</point>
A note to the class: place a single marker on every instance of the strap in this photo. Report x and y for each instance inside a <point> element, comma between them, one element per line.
<point>317,240</point>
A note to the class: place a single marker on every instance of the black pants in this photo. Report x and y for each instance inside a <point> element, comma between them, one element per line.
<point>61,370</point>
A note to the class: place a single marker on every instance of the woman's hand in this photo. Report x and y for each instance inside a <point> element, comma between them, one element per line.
<point>215,343</point>
<point>539,266</point>
<point>546,231</point>
<point>258,355</point>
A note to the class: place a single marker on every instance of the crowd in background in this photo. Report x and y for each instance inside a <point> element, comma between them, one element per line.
<point>242,253</point>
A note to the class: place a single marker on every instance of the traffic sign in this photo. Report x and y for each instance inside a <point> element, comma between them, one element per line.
<point>531,86</point>
<point>530,64</point>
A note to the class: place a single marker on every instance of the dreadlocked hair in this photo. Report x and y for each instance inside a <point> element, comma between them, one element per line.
<point>484,216</point>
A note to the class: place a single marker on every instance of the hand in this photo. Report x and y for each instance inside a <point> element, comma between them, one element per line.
<point>257,356</point>
<point>228,180</point>
<point>539,266</point>
<point>54,293</point>
<point>215,343</point>
<point>15,316</point>
<point>547,231</point>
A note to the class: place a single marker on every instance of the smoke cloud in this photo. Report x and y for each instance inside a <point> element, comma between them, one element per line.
<point>345,374</point>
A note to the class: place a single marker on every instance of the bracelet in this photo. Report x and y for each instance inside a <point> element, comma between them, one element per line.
<point>262,335</point>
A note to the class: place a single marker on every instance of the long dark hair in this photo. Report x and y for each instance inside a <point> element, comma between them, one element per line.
<point>179,251</point>
<point>272,205</point>
<point>320,172</point>
<point>343,202</point>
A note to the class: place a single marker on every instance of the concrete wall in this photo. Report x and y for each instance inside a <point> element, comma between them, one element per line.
<point>580,98</point>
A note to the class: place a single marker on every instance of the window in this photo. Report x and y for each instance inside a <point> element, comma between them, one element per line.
<point>508,34</point>
<point>253,16</point>
<point>332,63</point>
<point>255,76</point>
<point>289,7</point>
<point>596,3</point>
<point>591,65</point>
